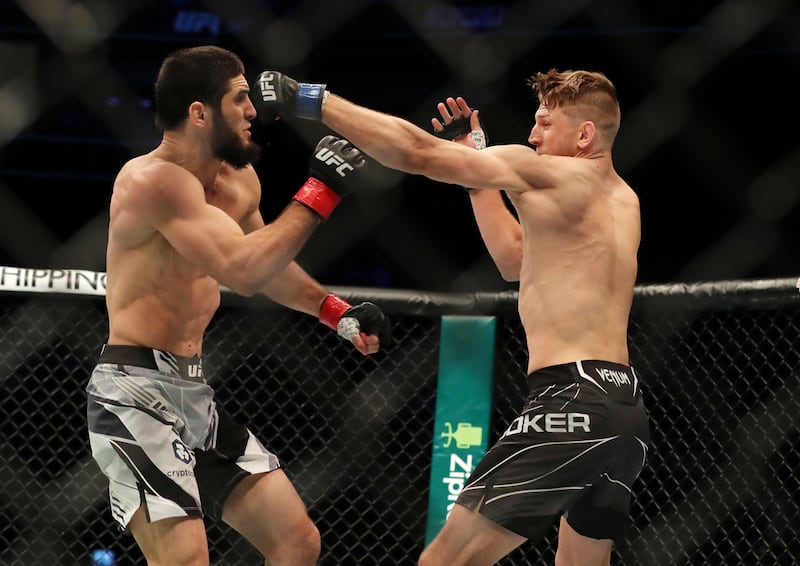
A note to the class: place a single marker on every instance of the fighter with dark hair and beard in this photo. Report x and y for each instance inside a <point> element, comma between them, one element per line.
<point>184,219</point>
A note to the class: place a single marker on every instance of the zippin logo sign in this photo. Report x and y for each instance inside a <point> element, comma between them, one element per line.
<point>457,449</point>
<point>462,459</point>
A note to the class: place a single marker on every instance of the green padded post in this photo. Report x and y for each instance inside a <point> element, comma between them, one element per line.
<point>463,410</point>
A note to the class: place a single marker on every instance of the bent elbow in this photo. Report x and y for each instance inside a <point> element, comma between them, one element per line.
<point>245,290</point>
<point>237,279</point>
<point>509,269</point>
<point>241,287</point>
<point>508,259</point>
<point>509,275</point>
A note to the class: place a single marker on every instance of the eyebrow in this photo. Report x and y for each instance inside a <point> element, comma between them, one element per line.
<point>239,91</point>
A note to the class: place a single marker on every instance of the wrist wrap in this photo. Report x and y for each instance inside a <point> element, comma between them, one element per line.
<point>310,98</point>
<point>331,310</point>
<point>479,139</point>
<point>318,196</point>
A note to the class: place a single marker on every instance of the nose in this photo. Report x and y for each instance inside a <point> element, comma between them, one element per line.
<point>532,137</point>
<point>250,111</point>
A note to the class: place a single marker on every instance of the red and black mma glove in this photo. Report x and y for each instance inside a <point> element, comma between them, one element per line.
<point>276,94</point>
<point>349,320</point>
<point>333,169</point>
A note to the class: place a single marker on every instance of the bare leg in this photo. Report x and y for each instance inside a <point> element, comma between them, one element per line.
<point>179,541</point>
<point>268,512</point>
<point>577,550</point>
<point>469,539</point>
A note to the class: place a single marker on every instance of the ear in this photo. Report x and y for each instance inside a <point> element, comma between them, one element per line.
<point>586,134</point>
<point>198,114</point>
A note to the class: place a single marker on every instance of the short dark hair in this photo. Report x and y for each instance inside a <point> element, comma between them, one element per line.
<point>591,91</point>
<point>193,74</point>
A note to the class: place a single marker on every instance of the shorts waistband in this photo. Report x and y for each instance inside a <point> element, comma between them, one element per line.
<point>183,367</point>
<point>609,377</point>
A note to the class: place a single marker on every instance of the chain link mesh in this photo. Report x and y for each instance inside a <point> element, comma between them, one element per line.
<point>355,433</point>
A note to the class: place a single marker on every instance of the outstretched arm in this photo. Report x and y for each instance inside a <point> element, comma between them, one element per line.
<point>390,140</point>
<point>399,144</point>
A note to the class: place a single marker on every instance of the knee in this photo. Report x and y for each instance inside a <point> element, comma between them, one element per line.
<point>297,544</point>
<point>304,544</point>
<point>312,543</point>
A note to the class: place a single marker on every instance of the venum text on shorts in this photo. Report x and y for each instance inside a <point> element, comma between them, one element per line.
<point>618,378</point>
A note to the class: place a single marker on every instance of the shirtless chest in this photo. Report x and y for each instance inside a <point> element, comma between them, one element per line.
<point>158,295</point>
<point>578,272</point>
<point>133,237</point>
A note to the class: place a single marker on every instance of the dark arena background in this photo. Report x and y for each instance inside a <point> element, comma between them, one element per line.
<point>708,140</point>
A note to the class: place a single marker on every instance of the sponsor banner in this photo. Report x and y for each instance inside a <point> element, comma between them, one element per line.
<point>72,281</point>
<point>463,410</point>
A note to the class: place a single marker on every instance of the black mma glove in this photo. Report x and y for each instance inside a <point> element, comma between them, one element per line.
<point>460,126</point>
<point>348,320</point>
<point>332,170</point>
<point>276,94</point>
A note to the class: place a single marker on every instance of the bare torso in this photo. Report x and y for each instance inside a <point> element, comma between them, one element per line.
<point>155,297</point>
<point>579,266</point>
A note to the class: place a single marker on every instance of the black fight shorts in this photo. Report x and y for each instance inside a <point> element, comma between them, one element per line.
<point>575,450</point>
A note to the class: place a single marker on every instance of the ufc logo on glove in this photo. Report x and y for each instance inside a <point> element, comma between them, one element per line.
<point>329,157</point>
<point>268,93</point>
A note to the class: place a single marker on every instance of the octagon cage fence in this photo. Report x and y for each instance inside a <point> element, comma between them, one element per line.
<point>718,362</point>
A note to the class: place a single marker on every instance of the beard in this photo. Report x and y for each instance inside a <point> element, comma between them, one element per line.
<point>227,146</point>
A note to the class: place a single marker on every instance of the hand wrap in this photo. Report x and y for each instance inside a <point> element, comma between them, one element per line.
<point>349,321</point>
